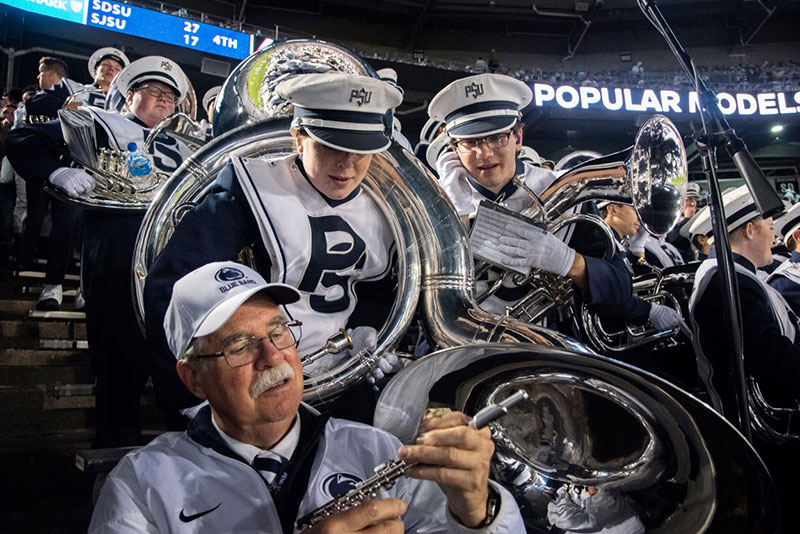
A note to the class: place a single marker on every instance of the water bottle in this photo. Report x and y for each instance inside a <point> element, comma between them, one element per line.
<point>137,162</point>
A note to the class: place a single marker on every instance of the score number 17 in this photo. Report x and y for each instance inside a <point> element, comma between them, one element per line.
<point>190,27</point>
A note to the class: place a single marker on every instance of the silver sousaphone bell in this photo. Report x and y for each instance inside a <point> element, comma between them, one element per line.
<point>593,421</point>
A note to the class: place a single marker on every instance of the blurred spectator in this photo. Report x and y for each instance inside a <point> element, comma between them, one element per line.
<point>480,66</point>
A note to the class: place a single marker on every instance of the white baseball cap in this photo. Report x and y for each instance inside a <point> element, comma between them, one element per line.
<point>480,105</point>
<point>203,300</point>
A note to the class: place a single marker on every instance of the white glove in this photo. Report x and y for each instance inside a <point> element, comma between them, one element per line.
<point>449,165</point>
<point>637,240</point>
<point>666,318</point>
<point>366,338</point>
<point>74,182</point>
<point>534,248</point>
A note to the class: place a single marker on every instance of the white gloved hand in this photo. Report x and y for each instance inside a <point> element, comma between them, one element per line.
<point>534,248</point>
<point>387,363</point>
<point>637,240</point>
<point>74,182</point>
<point>365,338</point>
<point>449,165</point>
<point>666,318</point>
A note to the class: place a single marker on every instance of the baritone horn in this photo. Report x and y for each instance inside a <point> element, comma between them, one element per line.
<point>651,175</point>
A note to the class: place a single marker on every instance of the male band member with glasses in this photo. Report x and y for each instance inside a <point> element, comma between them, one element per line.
<point>482,118</point>
<point>257,458</point>
<point>153,86</point>
<point>308,222</point>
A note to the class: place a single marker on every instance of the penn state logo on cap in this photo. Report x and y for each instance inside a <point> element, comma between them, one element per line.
<point>203,300</point>
<point>337,484</point>
<point>480,105</point>
<point>108,52</point>
<point>342,111</point>
<point>228,274</point>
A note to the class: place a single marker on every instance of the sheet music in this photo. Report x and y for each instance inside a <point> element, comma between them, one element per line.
<point>491,221</point>
<point>78,128</point>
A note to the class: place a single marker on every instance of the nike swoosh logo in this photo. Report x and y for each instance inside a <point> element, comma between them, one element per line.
<point>188,518</point>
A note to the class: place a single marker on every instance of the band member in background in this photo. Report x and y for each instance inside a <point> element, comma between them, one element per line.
<point>104,64</point>
<point>674,236</point>
<point>769,326</point>
<point>153,86</point>
<point>786,278</point>
<point>482,119</point>
<point>308,221</point>
<point>209,104</point>
<point>769,335</point>
<point>257,458</point>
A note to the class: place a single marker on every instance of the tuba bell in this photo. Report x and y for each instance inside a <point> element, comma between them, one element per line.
<point>593,421</point>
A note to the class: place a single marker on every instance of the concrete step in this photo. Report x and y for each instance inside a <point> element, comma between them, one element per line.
<point>28,276</point>
<point>12,357</point>
<point>32,376</point>
<point>63,344</point>
<point>16,328</point>
<point>22,307</point>
<point>65,315</point>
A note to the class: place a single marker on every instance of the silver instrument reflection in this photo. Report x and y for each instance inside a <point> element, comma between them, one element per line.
<point>248,94</point>
<point>592,421</point>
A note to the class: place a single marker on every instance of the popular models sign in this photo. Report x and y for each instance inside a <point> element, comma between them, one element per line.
<point>662,100</point>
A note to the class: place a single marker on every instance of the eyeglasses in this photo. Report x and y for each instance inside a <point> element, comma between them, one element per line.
<point>157,93</point>
<point>494,141</point>
<point>244,349</point>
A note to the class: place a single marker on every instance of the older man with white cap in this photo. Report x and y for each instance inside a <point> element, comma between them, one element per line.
<point>152,86</point>
<point>257,458</point>
<point>308,221</point>
<point>482,116</point>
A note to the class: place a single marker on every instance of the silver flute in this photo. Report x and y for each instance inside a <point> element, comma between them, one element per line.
<point>387,473</point>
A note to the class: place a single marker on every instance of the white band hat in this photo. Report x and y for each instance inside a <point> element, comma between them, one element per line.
<point>480,105</point>
<point>154,68</point>
<point>108,52</point>
<point>343,111</point>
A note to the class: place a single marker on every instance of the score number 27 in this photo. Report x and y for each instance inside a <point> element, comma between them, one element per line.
<point>190,27</point>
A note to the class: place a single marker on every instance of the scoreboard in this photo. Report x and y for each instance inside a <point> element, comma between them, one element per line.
<point>144,23</point>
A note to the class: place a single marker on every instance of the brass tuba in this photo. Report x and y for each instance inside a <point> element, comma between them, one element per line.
<point>115,188</point>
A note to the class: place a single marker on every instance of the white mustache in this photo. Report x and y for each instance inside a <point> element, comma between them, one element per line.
<point>271,377</point>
